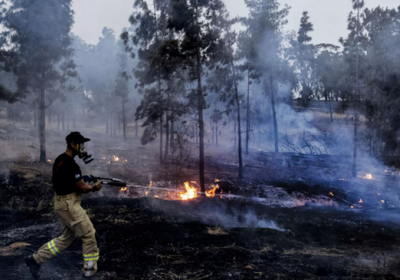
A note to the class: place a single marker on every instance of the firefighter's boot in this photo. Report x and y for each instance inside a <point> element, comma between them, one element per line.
<point>33,266</point>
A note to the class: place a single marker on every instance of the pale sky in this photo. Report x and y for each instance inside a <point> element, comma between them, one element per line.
<point>328,16</point>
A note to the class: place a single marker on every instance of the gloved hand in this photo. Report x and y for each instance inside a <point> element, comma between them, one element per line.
<point>97,186</point>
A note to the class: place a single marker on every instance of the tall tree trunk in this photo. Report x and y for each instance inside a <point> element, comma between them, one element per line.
<point>239,133</point>
<point>74,120</point>
<point>234,133</point>
<point>161,139</point>
<point>123,120</point>
<point>248,113</point>
<point>115,123</point>
<point>166,139</point>
<point>216,133</point>
<point>172,139</point>
<point>354,168</point>
<point>42,121</point>
<point>213,132</point>
<point>330,106</point>
<point>63,121</point>
<point>200,101</point>
<point>35,117</point>
<point>49,116</point>
<point>271,79</point>
<point>355,140</point>
<point>107,125</point>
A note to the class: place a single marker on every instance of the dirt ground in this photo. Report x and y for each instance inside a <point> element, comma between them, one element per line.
<point>292,217</point>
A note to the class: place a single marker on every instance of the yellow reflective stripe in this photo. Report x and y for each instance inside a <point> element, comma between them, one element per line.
<point>50,248</point>
<point>54,245</point>
<point>90,255</point>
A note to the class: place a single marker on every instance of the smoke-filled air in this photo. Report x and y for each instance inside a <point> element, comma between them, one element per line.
<point>199,139</point>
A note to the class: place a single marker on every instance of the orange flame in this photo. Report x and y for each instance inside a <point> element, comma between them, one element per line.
<point>115,158</point>
<point>123,189</point>
<point>331,194</point>
<point>191,192</point>
<point>49,160</point>
<point>382,201</point>
<point>361,201</point>
<point>368,177</point>
<point>352,206</point>
<point>211,193</point>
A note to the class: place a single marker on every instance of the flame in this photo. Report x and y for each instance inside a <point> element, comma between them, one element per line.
<point>331,194</point>
<point>352,206</point>
<point>151,184</point>
<point>115,158</point>
<point>146,193</point>
<point>216,180</point>
<point>156,196</point>
<point>49,160</point>
<point>123,189</point>
<point>382,201</point>
<point>211,193</point>
<point>191,192</point>
<point>368,177</point>
<point>361,201</point>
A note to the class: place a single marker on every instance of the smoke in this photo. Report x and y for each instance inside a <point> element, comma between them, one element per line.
<point>218,212</point>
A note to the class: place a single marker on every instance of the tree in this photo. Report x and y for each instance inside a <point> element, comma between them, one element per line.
<point>224,78</point>
<point>304,57</point>
<point>261,45</point>
<point>199,22</point>
<point>121,89</point>
<point>42,46</point>
<point>352,47</point>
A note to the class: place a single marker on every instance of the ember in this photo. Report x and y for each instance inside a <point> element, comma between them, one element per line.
<point>361,201</point>
<point>123,189</point>
<point>49,160</point>
<point>331,194</point>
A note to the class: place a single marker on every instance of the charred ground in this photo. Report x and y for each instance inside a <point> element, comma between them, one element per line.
<point>290,218</point>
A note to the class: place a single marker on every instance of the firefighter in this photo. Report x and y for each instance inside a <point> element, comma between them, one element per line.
<point>68,185</point>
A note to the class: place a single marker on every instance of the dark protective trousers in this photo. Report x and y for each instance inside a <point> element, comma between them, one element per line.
<point>74,222</point>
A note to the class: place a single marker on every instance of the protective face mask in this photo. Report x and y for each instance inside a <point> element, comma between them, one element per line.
<point>82,153</point>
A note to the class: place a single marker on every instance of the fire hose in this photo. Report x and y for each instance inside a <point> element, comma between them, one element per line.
<point>113,182</point>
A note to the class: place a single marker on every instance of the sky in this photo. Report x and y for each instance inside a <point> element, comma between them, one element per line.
<point>329,17</point>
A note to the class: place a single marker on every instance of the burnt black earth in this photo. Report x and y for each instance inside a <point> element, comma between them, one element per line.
<point>147,238</point>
